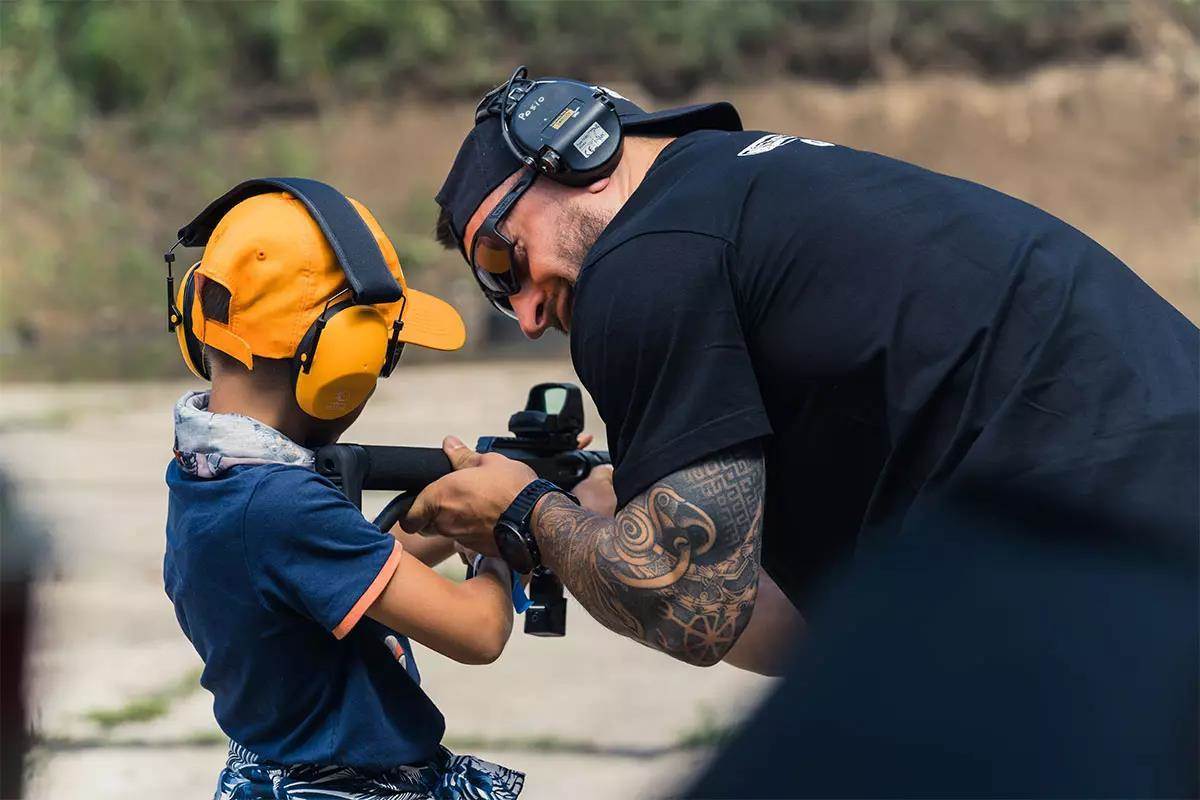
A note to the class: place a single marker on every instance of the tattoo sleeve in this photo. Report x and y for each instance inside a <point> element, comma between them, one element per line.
<point>677,568</point>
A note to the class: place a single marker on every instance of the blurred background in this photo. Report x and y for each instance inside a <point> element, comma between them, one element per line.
<point>121,120</point>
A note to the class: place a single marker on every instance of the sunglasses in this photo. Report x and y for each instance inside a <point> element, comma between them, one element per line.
<point>492,260</point>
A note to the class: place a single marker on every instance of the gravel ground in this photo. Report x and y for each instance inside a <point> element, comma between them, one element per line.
<point>588,716</point>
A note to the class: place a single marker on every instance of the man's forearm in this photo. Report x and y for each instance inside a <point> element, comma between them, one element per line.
<point>677,568</point>
<point>775,628</point>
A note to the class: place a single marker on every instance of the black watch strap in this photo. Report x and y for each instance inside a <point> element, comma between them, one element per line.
<point>519,513</point>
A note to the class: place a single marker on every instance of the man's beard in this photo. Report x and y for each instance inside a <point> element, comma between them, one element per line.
<point>579,227</point>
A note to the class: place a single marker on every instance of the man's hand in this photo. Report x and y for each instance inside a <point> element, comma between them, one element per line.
<point>465,504</point>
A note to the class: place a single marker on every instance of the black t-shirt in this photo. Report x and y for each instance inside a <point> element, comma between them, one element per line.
<point>894,336</point>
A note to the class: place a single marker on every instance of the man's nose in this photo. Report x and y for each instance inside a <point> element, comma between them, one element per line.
<point>530,307</point>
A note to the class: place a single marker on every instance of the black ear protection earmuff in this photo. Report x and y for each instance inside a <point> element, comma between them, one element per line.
<point>566,130</point>
<point>350,344</point>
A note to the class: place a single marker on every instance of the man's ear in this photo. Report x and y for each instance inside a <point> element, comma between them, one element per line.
<point>595,187</point>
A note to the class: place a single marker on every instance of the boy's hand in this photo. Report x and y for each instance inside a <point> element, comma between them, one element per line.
<point>465,504</point>
<point>596,493</point>
<point>465,554</point>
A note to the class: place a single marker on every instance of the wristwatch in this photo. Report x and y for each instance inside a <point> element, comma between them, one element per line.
<point>514,540</point>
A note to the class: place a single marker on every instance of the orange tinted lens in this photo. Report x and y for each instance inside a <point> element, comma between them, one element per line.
<point>493,257</point>
<point>492,263</point>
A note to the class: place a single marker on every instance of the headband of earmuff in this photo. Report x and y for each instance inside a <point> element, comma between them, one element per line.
<point>355,247</point>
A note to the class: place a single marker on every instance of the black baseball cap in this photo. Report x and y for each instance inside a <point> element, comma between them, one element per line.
<point>484,160</point>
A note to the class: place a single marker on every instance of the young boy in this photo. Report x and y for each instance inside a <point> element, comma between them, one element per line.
<point>299,607</point>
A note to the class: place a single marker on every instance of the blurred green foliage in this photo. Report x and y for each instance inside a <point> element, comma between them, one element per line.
<point>62,59</point>
<point>103,99</point>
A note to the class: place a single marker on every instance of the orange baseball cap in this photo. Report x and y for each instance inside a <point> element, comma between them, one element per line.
<point>280,271</point>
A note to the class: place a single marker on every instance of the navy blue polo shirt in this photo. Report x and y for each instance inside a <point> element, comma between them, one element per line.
<point>271,570</point>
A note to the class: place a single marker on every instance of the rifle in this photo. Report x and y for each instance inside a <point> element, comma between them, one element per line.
<point>544,435</point>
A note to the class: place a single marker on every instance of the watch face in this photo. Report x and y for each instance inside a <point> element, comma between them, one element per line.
<point>512,548</point>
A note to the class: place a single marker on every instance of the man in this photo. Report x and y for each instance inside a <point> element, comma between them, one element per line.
<point>796,348</point>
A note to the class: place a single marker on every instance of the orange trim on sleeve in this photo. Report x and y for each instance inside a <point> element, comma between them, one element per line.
<point>372,593</point>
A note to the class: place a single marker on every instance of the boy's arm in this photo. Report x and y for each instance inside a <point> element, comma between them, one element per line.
<point>676,569</point>
<point>429,550</point>
<point>469,622</point>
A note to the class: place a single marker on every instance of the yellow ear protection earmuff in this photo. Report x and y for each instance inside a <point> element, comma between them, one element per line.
<point>340,358</point>
<point>190,347</point>
<point>350,344</point>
